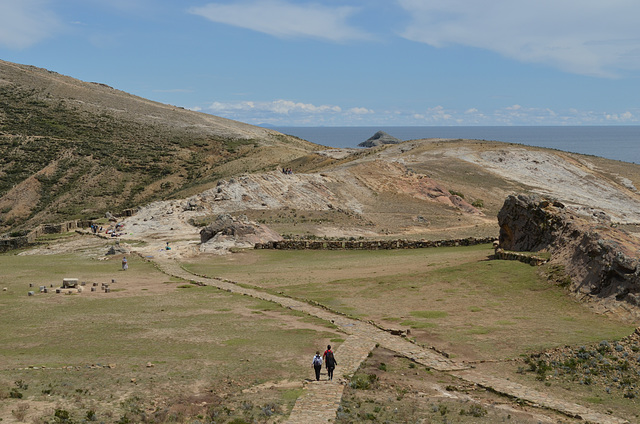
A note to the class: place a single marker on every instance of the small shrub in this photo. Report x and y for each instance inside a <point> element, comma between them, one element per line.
<point>443,409</point>
<point>62,416</point>
<point>14,393</point>
<point>478,203</point>
<point>382,366</point>
<point>475,411</point>
<point>91,415</point>
<point>20,413</point>
<point>363,382</point>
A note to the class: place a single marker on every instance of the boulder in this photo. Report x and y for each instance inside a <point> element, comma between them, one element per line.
<point>379,139</point>
<point>228,231</point>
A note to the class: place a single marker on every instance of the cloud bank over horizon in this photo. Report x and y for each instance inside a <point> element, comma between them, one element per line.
<point>285,112</point>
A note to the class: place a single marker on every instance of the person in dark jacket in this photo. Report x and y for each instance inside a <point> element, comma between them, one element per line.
<point>330,361</point>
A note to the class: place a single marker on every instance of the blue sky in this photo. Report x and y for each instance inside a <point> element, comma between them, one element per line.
<point>352,62</point>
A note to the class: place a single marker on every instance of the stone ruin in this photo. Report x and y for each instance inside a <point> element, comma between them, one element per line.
<point>70,286</point>
<point>69,283</point>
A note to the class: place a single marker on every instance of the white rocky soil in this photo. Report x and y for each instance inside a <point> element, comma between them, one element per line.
<point>570,180</point>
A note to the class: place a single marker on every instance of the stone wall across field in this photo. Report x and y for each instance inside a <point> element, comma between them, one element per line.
<point>368,244</point>
<point>515,256</point>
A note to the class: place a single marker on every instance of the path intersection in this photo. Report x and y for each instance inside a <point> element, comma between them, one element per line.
<point>320,400</point>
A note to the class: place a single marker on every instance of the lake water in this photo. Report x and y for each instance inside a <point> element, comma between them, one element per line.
<point>612,142</point>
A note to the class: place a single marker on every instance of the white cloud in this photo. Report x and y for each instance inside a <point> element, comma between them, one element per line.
<point>287,112</point>
<point>588,37</point>
<point>360,111</point>
<point>622,118</point>
<point>280,107</point>
<point>26,22</point>
<point>286,20</point>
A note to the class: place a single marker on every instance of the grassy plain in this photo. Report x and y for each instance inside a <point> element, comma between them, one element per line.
<point>155,349</point>
<point>453,298</point>
<point>159,349</point>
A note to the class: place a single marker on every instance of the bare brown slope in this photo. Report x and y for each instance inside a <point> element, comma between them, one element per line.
<point>72,149</point>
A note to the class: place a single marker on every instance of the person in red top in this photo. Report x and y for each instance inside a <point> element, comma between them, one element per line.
<point>330,361</point>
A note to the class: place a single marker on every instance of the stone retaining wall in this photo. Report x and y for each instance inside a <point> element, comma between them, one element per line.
<point>514,256</point>
<point>368,244</point>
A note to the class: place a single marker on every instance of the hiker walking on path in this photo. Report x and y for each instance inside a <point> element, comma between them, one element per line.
<point>125,265</point>
<point>330,361</point>
<point>317,364</point>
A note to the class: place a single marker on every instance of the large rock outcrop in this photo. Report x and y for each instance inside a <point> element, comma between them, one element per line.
<point>227,232</point>
<point>601,260</point>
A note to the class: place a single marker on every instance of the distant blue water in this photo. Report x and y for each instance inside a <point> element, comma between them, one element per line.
<point>612,142</point>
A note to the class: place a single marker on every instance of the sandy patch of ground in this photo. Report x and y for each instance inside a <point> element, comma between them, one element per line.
<point>558,176</point>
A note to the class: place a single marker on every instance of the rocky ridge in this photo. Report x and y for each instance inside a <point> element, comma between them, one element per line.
<point>600,259</point>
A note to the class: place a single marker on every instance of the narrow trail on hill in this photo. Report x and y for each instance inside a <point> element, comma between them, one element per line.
<point>319,402</point>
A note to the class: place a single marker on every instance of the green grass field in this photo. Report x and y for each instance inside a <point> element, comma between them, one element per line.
<point>159,349</point>
<point>454,298</point>
<point>93,350</point>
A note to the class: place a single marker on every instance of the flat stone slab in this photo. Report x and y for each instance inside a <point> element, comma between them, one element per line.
<point>69,283</point>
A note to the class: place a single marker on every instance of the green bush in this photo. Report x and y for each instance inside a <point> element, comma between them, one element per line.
<point>363,382</point>
<point>478,203</point>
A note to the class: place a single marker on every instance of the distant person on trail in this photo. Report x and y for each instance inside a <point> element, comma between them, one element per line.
<point>317,364</point>
<point>330,361</point>
<point>125,264</point>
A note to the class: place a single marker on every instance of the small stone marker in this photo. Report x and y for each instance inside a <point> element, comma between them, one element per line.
<point>31,293</point>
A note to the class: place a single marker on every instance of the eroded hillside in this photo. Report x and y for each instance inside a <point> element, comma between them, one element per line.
<point>73,149</point>
<point>418,189</point>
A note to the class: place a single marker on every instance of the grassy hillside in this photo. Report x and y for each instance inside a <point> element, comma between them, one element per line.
<point>71,149</point>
